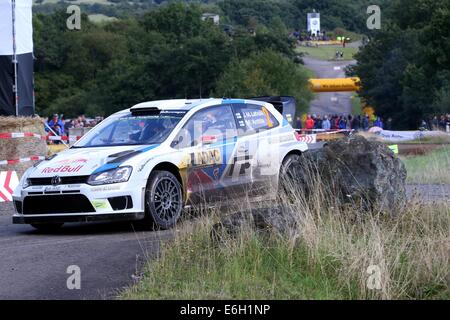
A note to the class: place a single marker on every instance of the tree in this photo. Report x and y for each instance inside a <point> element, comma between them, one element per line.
<point>265,73</point>
<point>405,69</point>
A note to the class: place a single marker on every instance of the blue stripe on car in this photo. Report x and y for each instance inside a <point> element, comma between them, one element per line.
<point>106,167</point>
<point>110,166</point>
<point>233,101</point>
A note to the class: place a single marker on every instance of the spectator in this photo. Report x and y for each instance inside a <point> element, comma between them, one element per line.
<point>356,124</point>
<point>318,123</point>
<point>55,120</point>
<point>423,126</point>
<point>298,123</point>
<point>342,123</point>
<point>365,122</point>
<point>388,125</point>
<point>349,121</point>
<point>378,123</point>
<point>435,123</point>
<point>326,125</point>
<point>309,123</point>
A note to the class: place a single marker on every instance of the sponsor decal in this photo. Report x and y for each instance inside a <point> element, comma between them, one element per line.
<point>267,114</point>
<point>107,188</point>
<point>101,204</point>
<point>62,169</point>
<point>52,189</point>
<point>66,165</point>
<point>72,161</point>
<point>202,158</point>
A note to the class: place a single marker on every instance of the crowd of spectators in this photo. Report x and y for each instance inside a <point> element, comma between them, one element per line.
<point>441,123</point>
<point>365,122</point>
<point>59,126</point>
<point>308,36</point>
<point>343,122</point>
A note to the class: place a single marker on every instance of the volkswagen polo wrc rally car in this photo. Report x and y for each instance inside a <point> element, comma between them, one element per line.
<point>157,158</point>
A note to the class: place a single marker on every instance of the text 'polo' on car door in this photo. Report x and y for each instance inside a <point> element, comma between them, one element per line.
<point>255,147</point>
<point>208,141</point>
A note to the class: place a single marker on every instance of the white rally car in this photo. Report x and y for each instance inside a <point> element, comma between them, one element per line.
<point>156,158</point>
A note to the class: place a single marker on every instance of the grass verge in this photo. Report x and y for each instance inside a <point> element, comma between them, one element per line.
<point>328,252</point>
<point>433,167</point>
<point>327,52</point>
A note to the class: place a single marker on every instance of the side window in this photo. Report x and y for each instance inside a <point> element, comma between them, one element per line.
<point>213,124</point>
<point>254,118</point>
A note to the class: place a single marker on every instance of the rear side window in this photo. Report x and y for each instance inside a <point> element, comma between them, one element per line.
<point>254,118</point>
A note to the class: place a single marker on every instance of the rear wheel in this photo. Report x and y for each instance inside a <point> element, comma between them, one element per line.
<point>163,199</point>
<point>47,227</point>
<point>292,182</point>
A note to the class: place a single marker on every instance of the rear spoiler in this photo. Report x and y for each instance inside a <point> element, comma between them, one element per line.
<point>285,105</point>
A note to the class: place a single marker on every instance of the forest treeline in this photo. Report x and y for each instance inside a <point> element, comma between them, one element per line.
<point>166,53</point>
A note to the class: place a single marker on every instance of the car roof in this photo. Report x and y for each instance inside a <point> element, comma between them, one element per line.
<point>187,104</point>
<point>174,104</point>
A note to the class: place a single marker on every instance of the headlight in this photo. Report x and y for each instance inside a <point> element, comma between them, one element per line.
<point>24,182</point>
<point>117,175</point>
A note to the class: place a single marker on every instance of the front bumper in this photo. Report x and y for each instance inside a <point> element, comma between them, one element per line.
<point>47,204</point>
<point>26,219</point>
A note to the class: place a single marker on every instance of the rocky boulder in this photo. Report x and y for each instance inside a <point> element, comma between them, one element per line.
<point>357,170</point>
<point>351,171</point>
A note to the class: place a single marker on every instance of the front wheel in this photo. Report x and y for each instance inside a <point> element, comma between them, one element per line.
<point>163,199</point>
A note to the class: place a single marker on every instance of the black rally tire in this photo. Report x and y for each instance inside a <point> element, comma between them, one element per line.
<point>47,227</point>
<point>163,199</point>
<point>291,180</point>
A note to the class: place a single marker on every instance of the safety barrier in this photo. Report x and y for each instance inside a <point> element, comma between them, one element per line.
<point>21,160</point>
<point>324,131</point>
<point>15,135</point>
<point>8,182</point>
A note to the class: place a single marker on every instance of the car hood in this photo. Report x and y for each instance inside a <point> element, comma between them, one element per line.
<point>86,161</point>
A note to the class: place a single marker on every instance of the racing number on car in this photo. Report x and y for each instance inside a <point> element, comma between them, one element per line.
<point>241,162</point>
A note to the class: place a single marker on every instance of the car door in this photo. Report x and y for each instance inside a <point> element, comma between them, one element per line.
<point>256,154</point>
<point>208,141</point>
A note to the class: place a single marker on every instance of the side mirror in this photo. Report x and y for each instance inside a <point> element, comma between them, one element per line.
<point>177,141</point>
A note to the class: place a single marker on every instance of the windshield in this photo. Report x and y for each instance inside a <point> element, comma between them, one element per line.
<point>132,129</point>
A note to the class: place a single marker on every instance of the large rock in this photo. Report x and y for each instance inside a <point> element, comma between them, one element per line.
<point>355,171</point>
<point>360,171</point>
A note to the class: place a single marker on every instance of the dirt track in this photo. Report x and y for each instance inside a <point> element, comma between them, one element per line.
<point>429,192</point>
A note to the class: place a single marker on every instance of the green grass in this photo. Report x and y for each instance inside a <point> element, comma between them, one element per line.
<point>325,253</point>
<point>430,168</point>
<point>327,52</point>
<point>194,268</point>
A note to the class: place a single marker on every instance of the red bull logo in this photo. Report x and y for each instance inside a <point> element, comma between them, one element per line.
<point>66,165</point>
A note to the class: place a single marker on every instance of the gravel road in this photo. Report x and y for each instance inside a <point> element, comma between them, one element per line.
<point>34,265</point>
<point>334,102</point>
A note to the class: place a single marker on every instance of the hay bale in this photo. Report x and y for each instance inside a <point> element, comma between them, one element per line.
<point>21,147</point>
